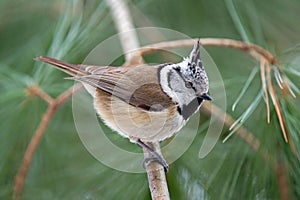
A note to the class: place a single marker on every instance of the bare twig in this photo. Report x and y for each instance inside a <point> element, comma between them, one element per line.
<point>35,140</point>
<point>128,36</point>
<point>254,50</point>
<point>156,175</point>
<point>37,91</point>
<point>61,99</point>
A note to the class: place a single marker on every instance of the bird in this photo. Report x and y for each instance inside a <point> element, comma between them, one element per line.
<point>144,103</point>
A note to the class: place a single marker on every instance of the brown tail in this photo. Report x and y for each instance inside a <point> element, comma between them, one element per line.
<point>70,69</point>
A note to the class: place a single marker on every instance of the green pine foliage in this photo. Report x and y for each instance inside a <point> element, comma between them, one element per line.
<point>63,169</point>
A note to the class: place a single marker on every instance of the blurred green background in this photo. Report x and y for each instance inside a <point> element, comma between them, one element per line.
<point>63,169</point>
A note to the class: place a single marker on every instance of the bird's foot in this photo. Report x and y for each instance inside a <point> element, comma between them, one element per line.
<point>156,156</point>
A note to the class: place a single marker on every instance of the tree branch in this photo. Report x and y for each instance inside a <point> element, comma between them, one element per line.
<point>128,37</point>
<point>156,175</point>
<point>129,40</point>
<point>38,135</point>
<point>37,91</point>
<point>254,50</point>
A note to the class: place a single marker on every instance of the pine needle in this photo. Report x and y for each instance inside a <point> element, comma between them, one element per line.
<point>237,21</point>
<point>292,86</point>
<point>264,87</point>
<point>288,85</point>
<point>276,103</point>
<point>278,77</point>
<point>239,122</point>
<point>247,84</point>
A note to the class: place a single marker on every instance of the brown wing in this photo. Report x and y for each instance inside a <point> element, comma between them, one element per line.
<point>138,86</point>
<point>150,97</point>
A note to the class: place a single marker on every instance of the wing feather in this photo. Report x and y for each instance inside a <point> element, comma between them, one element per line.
<point>138,86</point>
<point>128,85</point>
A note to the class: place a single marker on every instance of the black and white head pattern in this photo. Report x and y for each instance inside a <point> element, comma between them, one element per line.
<point>193,71</point>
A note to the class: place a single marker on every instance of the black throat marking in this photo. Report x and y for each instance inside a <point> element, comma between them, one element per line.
<point>188,110</point>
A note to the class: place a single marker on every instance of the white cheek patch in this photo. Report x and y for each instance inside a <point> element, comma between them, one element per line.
<point>174,86</point>
<point>164,82</point>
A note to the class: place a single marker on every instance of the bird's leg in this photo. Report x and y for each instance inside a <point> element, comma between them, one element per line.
<point>157,157</point>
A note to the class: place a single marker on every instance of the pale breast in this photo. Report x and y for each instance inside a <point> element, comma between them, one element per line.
<point>137,123</point>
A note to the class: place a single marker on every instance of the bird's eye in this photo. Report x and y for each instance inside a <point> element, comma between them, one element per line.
<point>188,84</point>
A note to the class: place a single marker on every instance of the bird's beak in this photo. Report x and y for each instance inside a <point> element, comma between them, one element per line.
<point>206,97</point>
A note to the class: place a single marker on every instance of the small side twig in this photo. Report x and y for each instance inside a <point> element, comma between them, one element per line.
<point>37,91</point>
<point>53,105</point>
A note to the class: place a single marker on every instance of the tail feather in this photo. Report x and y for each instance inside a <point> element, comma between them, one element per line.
<point>70,69</point>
